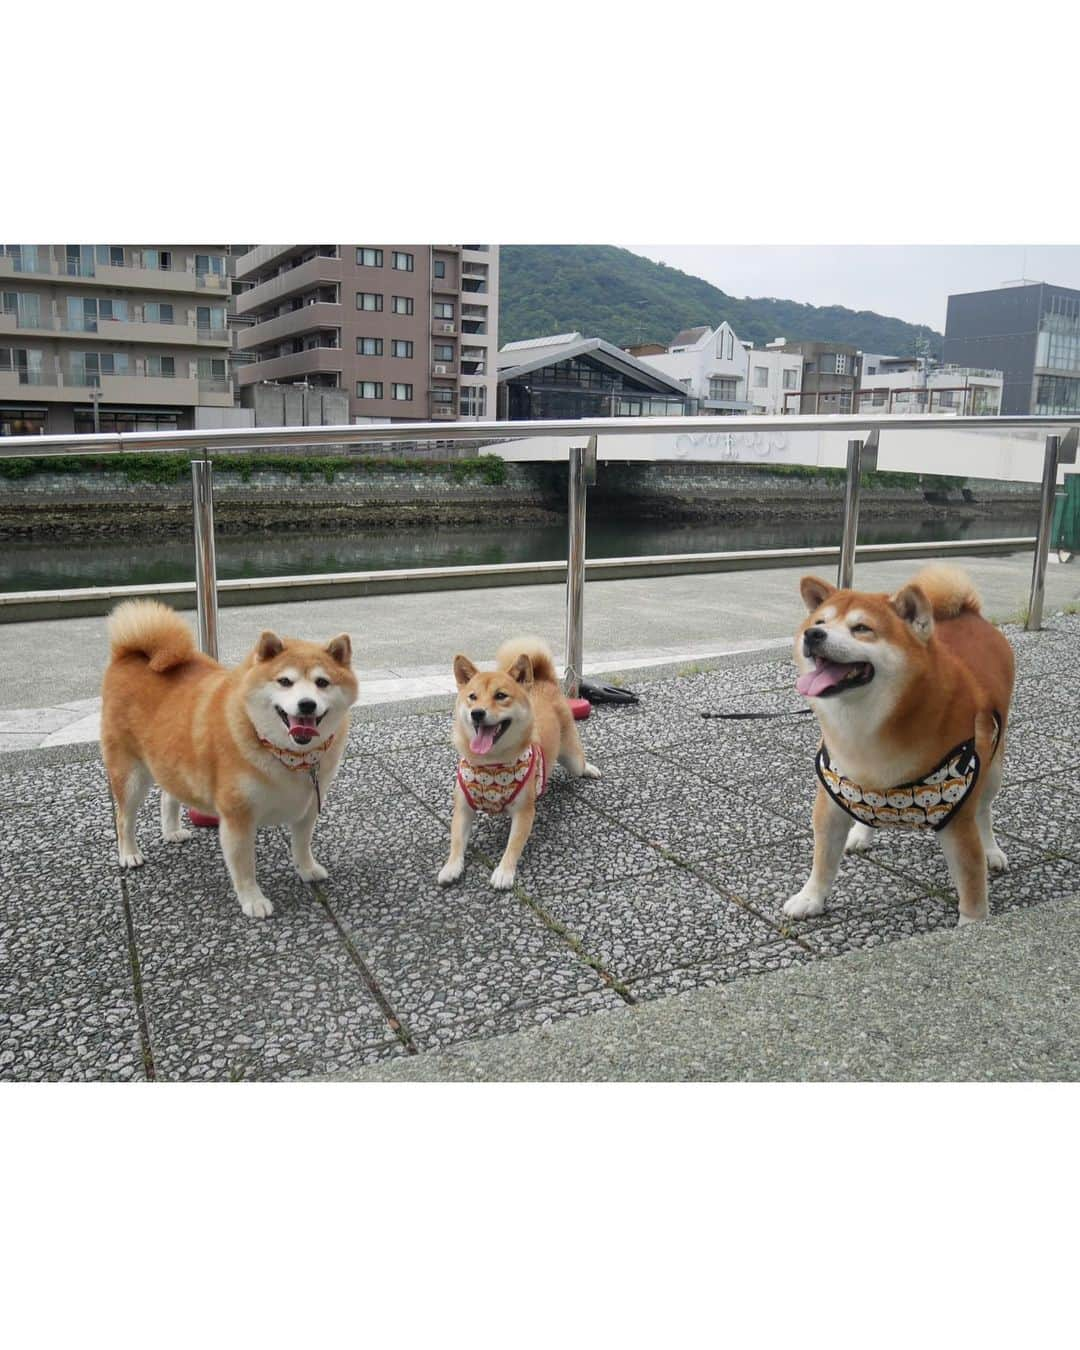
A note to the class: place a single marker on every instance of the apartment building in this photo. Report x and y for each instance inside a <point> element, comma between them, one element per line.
<point>1030,331</point>
<point>113,337</point>
<point>830,376</point>
<point>408,331</point>
<point>914,384</point>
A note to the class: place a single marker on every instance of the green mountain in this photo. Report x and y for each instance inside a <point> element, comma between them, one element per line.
<point>608,292</point>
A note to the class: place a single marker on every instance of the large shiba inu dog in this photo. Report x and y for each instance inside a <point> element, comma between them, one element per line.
<point>912,695</point>
<point>510,726</point>
<point>258,745</point>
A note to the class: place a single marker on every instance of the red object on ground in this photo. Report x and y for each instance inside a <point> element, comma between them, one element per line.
<point>580,707</point>
<point>203,822</point>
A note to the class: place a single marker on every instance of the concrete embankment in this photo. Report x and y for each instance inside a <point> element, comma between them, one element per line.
<point>141,498</point>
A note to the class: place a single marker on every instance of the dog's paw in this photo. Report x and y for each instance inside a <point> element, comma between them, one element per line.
<point>177,836</point>
<point>315,872</point>
<point>591,771</point>
<point>997,860</point>
<point>503,877</point>
<point>450,872</point>
<point>860,839</point>
<point>132,859</point>
<point>804,905</point>
<point>257,906</point>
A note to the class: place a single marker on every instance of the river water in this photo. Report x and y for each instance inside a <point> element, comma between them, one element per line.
<point>55,565</point>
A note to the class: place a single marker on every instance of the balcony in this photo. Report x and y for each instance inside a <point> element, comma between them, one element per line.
<point>264,255</point>
<point>293,282</point>
<point>444,370</point>
<point>443,412</point>
<point>443,328</point>
<point>296,366</point>
<point>125,277</point>
<point>21,384</point>
<point>306,319</point>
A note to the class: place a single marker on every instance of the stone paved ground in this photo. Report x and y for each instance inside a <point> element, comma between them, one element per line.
<point>667,874</point>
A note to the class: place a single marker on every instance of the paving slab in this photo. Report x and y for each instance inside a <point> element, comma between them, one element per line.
<point>665,876</point>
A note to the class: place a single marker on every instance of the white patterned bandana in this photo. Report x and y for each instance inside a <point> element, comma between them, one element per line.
<point>492,787</point>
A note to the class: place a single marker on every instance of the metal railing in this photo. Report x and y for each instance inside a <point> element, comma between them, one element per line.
<point>585,437</point>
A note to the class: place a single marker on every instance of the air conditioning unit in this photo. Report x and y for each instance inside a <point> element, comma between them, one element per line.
<point>441,370</point>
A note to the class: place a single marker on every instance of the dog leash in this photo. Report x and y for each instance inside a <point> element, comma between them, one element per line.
<point>755,717</point>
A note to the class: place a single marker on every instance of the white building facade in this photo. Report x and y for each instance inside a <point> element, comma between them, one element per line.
<point>725,375</point>
<point>896,384</point>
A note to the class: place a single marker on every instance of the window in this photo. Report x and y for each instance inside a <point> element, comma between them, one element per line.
<point>210,316</point>
<point>761,377</point>
<point>158,313</point>
<point>473,401</point>
<point>25,362</point>
<point>401,348</point>
<point>443,351</point>
<point>156,258</point>
<point>729,345</point>
<point>369,257</point>
<point>403,262</point>
<point>403,304</point>
<point>369,346</point>
<point>841,363</point>
<point>724,387</point>
<point>109,255</point>
<point>84,313</point>
<point>368,300</point>
<point>25,307</point>
<point>211,368</point>
<point>439,269</point>
<point>440,395</point>
<point>443,310</point>
<point>209,265</point>
<point>162,366</point>
<point>791,379</point>
<point>88,367</point>
<point>401,392</point>
<point>369,389</point>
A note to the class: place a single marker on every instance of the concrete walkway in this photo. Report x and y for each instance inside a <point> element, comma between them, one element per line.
<point>1000,1002</point>
<point>404,644</point>
<point>664,877</point>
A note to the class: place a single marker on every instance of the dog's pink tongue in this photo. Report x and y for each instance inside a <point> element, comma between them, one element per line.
<point>483,740</point>
<point>302,729</point>
<point>824,676</point>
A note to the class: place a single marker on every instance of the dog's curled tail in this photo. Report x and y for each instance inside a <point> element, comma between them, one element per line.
<point>149,628</point>
<point>949,589</point>
<point>538,652</point>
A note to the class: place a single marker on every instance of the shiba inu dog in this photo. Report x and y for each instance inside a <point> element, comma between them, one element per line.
<point>258,745</point>
<point>510,726</point>
<point>912,695</point>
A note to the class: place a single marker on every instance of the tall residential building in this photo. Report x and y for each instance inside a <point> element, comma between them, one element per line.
<point>409,331</point>
<point>113,337</point>
<point>1031,332</point>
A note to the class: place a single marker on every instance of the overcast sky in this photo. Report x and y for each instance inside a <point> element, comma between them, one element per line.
<point>910,282</point>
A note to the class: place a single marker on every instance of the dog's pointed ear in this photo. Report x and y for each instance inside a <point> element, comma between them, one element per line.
<point>913,606</point>
<point>340,648</point>
<point>464,670</point>
<point>268,645</point>
<point>522,670</point>
<point>815,592</point>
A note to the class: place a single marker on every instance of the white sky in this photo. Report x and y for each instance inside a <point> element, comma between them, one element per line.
<point>911,282</point>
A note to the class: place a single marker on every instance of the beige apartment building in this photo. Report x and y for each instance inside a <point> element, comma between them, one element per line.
<point>408,331</point>
<point>113,337</point>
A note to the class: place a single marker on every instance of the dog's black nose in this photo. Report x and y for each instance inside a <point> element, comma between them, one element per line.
<point>306,707</point>
<point>477,715</point>
<point>813,638</point>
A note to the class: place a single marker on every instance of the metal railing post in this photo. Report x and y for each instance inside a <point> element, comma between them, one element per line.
<point>582,470</point>
<point>846,571</point>
<point>1042,539</point>
<point>202,496</point>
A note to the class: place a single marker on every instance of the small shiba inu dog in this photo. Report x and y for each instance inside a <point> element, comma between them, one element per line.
<point>912,695</point>
<point>258,745</point>
<point>510,726</point>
